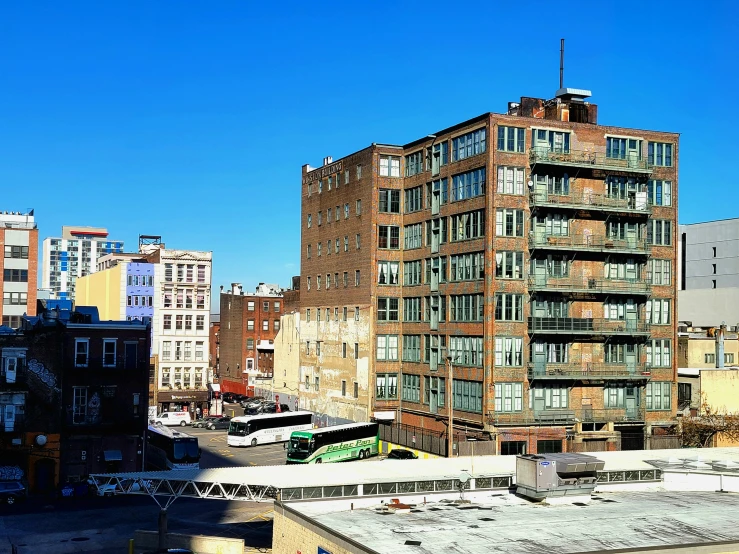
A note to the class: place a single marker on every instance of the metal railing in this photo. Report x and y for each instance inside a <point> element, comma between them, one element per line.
<point>564,416</point>
<point>593,160</point>
<point>415,437</point>
<point>110,362</point>
<point>590,201</point>
<point>593,285</point>
<point>587,371</point>
<point>593,243</point>
<point>588,326</point>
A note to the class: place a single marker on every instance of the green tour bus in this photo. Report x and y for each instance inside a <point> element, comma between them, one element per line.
<point>353,441</point>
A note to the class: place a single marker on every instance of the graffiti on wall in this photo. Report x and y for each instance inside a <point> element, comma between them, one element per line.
<point>10,473</point>
<point>45,376</point>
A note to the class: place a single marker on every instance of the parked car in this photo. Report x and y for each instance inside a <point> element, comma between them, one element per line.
<point>203,421</point>
<point>219,423</point>
<point>255,400</point>
<point>271,408</point>
<point>229,397</point>
<point>401,454</point>
<point>12,491</point>
<point>173,418</point>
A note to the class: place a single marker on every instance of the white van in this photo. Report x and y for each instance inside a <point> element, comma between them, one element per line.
<point>173,418</point>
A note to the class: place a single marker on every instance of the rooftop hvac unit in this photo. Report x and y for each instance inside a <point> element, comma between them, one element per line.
<point>552,475</point>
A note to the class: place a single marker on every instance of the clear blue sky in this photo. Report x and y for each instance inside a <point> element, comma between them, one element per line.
<point>191,120</point>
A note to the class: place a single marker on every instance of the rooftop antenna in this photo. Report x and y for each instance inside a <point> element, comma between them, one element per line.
<point>561,62</point>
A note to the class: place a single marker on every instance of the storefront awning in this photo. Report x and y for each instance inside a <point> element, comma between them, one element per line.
<point>215,387</point>
<point>112,456</point>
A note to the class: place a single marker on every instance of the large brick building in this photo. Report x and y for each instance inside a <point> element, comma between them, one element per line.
<point>19,266</point>
<point>533,252</point>
<point>249,325</point>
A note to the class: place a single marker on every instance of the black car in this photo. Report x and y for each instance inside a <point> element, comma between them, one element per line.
<point>228,397</point>
<point>203,422</point>
<point>401,454</point>
<point>219,423</point>
<point>12,491</point>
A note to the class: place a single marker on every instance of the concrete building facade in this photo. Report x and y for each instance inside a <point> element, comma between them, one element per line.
<point>19,271</point>
<point>73,255</point>
<point>249,325</point>
<point>529,257</point>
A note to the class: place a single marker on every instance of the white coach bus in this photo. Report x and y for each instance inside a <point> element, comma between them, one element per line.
<point>266,428</point>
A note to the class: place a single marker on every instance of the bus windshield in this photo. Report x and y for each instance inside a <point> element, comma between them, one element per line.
<point>186,449</point>
<point>237,428</point>
<point>299,448</point>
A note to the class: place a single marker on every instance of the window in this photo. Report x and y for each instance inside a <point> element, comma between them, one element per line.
<point>467,307</point>
<point>466,267</point>
<point>616,353</point>
<point>356,277</point>
<point>554,397</point>
<point>201,275</point>
<point>411,348</point>
<point>387,348</point>
<point>338,214</point>
<point>343,354</point>
<point>167,321</point>
<point>509,265</point>
<point>307,351</point>
<point>467,395</point>
<point>508,397</point>
<point>510,180</point>
<point>658,353</point>
<point>318,282</point>
<point>414,164</point>
<point>389,201</point>
<point>357,241</point>
<point>508,307</point>
<point>320,218</point>
<point>320,186</point>
<point>249,324</point>
<point>81,352</point>
<point>166,350</point>
<point>356,352</point>
<point>328,281</point>
<point>19,252</point>
<point>510,139</point>
<point>436,387</point>
<point>658,311</point>
<point>359,172</point>
<point>250,344</point>
<point>412,273</point>
<point>557,185</point>
<point>356,313</point>
<point>659,271</point>
<point>346,177</point>
<point>343,387</point>
<point>17,298</point>
<point>439,157</point>
<point>167,299</point>
<point>387,273</point>
<point>412,309</point>
<point>15,275</point>
<point>659,193</point>
<point>386,386</point>
<point>388,236</point>
<point>79,405</point>
<point>466,351</point>
<point>250,305</point>
<point>358,207</point>
<point>188,350</point>
<point>614,396</point>
<point>412,388</point>
<point>508,352</point>
<point>556,225</point>
<point>346,279</point>
<point>389,166</point>
<point>621,148</point>
<point>414,199</point>
<point>659,153</point>
<point>729,358</point>
<point>336,314</point>
<point>469,225</point>
<point>109,346</point>
<point>709,358</point>
<point>329,215</point>
<point>276,306</point>
<point>200,323</point>
<point>469,145</point>
<point>468,185</point>
<point>317,379</point>
<point>318,348</point>
<point>413,236</point>
<point>508,222</point>
<point>265,325</point>
<point>308,282</point>
<point>387,309</point>
<point>659,395</point>
<point>336,280</point>
<point>307,315</point>
<point>436,265</point>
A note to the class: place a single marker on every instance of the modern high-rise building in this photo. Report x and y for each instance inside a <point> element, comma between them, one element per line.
<point>19,277</point>
<point>519,267</point>
<point>173,287</point>
<point>709,273</point>
<point>74,255</point>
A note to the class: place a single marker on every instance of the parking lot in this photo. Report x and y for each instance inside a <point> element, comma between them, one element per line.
<point>217,453</point>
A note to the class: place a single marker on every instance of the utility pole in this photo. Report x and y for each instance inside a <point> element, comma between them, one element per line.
<point>450,397</point>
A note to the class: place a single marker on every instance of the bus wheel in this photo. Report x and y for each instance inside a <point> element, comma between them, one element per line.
<point>367,453</point>
<point>253,442</point>
<point>319,461</point>
<point>361,455</point>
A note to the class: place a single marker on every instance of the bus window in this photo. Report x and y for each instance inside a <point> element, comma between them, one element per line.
<point>237,428</point>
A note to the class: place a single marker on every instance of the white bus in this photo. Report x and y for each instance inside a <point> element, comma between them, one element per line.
<point>170,449</point>
<point>264,428</point>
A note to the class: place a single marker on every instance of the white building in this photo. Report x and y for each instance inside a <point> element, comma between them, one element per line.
<point>74,255</point>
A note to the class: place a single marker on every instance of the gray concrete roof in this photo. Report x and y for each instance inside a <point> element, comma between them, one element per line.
<point>512,525</point>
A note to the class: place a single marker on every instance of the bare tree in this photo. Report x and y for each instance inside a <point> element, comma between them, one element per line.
<point>701,430</point>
